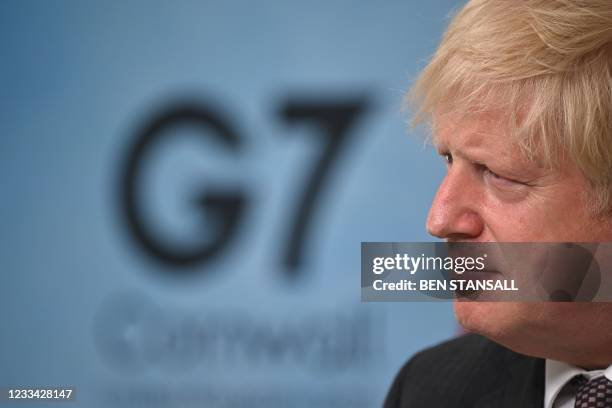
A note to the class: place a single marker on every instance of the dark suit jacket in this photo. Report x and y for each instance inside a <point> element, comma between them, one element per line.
<point>469,371</point>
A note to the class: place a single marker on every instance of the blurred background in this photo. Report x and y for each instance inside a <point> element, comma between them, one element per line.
<point>185,187</point>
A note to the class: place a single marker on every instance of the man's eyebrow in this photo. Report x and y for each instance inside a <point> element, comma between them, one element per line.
<point>501,163</point>
<point>435,142</point>
<point>459,153</point>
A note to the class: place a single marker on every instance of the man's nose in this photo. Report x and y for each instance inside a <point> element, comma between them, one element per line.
<point>455,211</point>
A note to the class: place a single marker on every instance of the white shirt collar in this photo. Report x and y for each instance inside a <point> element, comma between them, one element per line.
<point>559,373</point>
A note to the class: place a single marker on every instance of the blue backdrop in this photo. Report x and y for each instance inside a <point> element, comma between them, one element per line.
<point>185,189</point>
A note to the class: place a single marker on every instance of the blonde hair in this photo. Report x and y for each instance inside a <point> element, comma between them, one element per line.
<point>546,64</point>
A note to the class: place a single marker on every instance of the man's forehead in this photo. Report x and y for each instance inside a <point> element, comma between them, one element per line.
<point>471,132</point>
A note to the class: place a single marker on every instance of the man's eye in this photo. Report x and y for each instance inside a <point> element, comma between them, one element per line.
<point>500,180</point>
<point>489,173</point>
<point>448,158</point>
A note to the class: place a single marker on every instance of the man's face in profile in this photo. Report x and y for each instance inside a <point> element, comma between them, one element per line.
<point>493,193</point>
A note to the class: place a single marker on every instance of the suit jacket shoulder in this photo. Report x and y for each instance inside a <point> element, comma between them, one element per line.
<point>470,371</point>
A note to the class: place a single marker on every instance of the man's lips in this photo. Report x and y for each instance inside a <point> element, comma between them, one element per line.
<point>485,274</point>
<point>475,275</point>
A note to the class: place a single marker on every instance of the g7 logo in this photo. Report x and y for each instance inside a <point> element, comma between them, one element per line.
<point>334,117</point>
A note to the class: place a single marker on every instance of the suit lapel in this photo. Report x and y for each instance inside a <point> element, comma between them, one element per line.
<point>525,386</point>
<point>522,385</point>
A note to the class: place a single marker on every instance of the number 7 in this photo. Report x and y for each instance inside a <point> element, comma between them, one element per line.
<point>335,118</point>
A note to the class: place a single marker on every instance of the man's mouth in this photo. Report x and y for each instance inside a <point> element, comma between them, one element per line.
<point>475,275</point>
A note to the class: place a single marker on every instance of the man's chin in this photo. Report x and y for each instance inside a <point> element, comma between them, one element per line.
<point>499,321</point>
